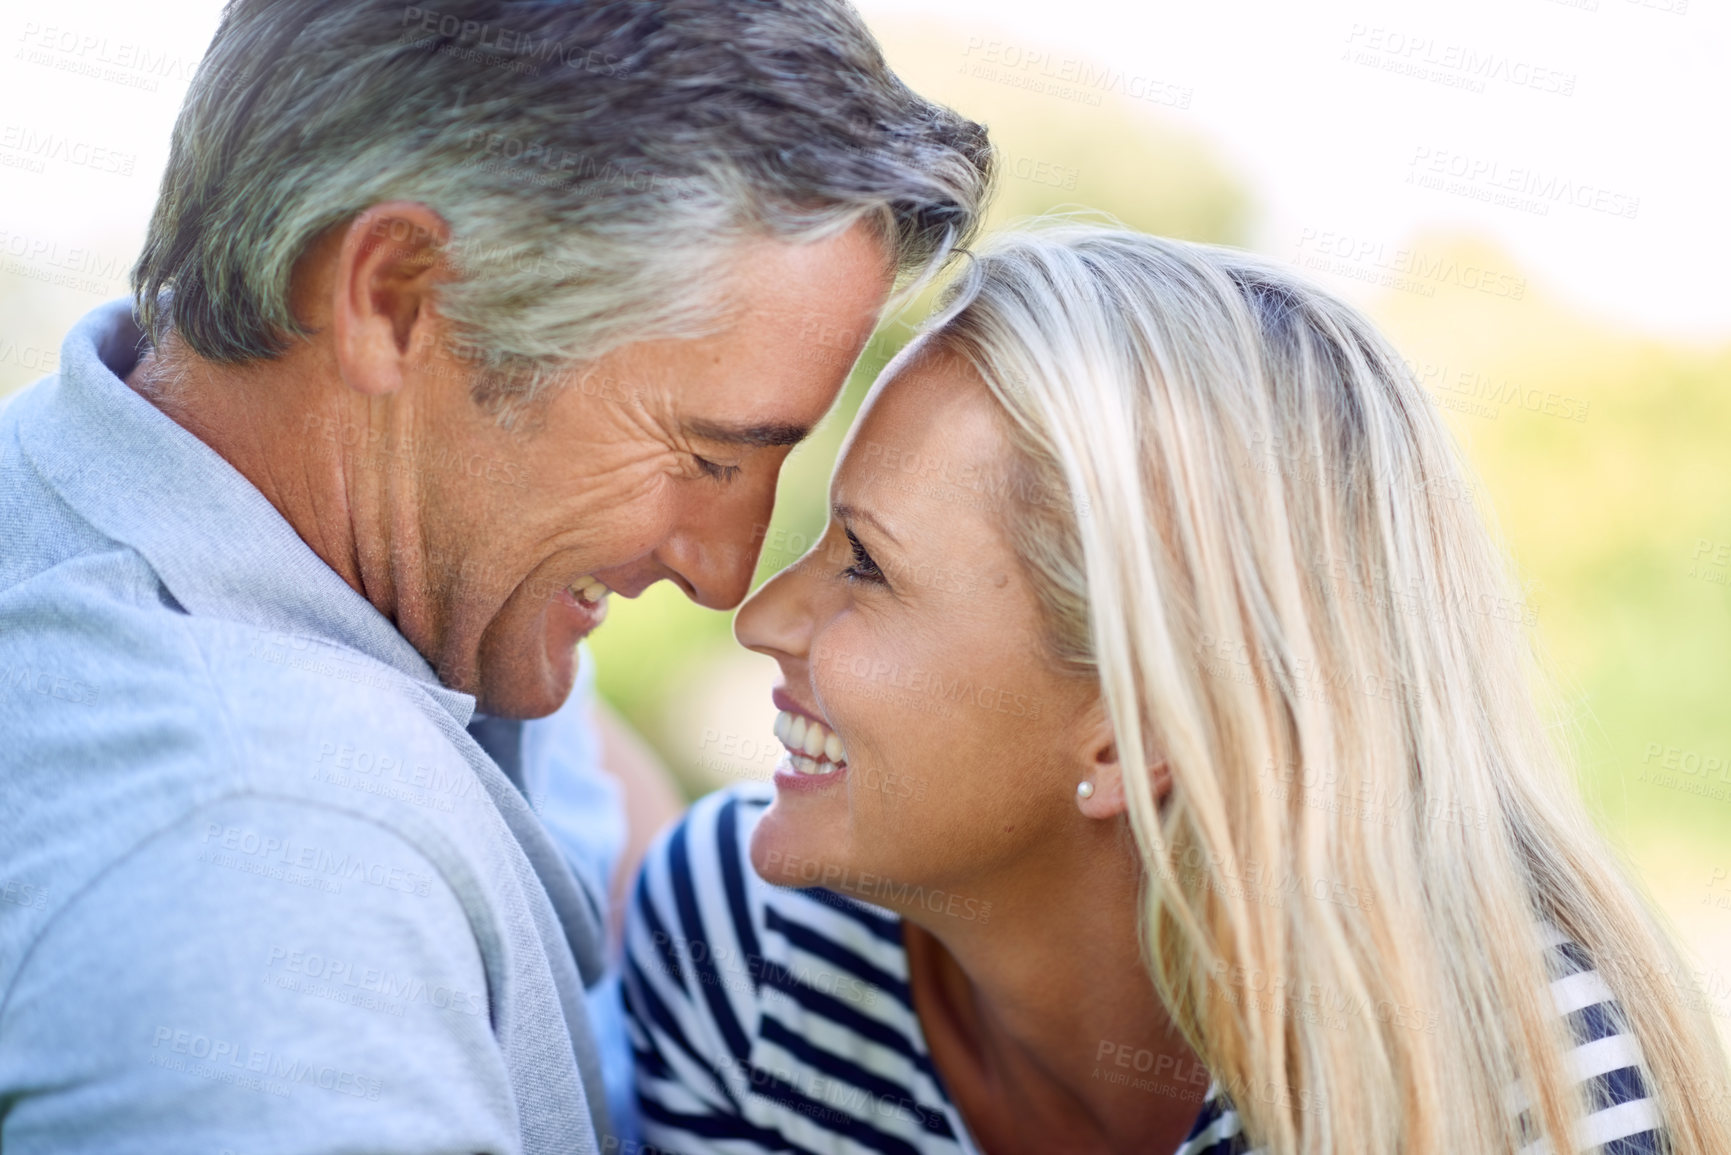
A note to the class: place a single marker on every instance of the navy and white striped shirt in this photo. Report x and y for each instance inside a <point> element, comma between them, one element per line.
<point>766,1019</point>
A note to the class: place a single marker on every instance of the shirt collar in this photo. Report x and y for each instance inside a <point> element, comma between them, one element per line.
<point>218,545</point>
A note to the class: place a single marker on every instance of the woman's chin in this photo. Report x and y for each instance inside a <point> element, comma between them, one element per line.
<point>792,846</point>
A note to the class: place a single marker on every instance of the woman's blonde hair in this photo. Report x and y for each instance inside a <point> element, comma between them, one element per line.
<point>1270,556</point>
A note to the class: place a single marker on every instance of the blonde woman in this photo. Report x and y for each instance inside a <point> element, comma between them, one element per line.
<point>1164,772</point>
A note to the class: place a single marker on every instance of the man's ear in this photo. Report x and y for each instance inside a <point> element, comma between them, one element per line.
<point>386,272</point>
<point>1107,798</point>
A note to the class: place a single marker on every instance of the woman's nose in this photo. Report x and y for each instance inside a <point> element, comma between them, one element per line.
<point>777,619</point>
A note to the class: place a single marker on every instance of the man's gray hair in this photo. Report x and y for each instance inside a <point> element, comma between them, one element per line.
<point>597,162</point>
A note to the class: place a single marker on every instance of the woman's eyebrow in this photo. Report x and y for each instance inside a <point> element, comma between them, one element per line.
<point>845,513</point>
<point>769,433</point>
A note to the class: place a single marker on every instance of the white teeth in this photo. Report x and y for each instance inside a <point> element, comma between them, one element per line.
<point>586,588</point>
<point>816,749</point>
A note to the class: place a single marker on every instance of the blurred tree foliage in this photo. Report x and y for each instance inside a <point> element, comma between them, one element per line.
<point>1607,461</point>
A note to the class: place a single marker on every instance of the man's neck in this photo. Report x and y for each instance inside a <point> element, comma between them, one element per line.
<point>255,417</point>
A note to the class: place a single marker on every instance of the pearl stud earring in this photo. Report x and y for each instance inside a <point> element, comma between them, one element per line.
<point>1084,789</point>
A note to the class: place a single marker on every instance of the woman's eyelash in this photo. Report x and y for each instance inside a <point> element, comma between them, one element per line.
<point>719,472</point>
<point>863,569</point>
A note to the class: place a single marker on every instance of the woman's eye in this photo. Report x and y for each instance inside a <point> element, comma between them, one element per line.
<point>715,470</point>
<point>863,569</point>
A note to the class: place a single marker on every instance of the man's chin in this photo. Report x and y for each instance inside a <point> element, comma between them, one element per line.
<point>537,698</point>
<point>527,680</point>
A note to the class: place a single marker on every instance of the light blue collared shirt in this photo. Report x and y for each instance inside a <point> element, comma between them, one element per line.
<point>260,890</point>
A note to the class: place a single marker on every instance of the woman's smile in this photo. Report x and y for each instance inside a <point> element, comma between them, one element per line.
<point>815,754</point>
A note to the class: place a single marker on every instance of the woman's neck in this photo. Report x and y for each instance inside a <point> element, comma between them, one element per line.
<point>1043,1020</point>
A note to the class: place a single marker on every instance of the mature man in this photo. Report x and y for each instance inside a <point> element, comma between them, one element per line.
<point>451,321</point>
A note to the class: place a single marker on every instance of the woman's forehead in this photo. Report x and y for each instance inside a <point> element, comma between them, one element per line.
<point>934,418</point>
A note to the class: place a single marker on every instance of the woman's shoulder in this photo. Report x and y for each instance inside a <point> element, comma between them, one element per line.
<point>1606,1059</point>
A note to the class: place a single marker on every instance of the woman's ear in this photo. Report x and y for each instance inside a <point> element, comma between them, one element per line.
<point>1101,794</point>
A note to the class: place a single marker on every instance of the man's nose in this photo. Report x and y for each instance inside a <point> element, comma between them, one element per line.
<point>713,556</point>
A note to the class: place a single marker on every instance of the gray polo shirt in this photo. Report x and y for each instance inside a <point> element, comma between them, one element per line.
<point>260,891</point>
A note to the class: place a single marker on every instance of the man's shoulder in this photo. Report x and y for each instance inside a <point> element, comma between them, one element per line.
<point>41,531</point>
<point>122,719</point>
<point>97,646</point>
<point>262,962</point>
